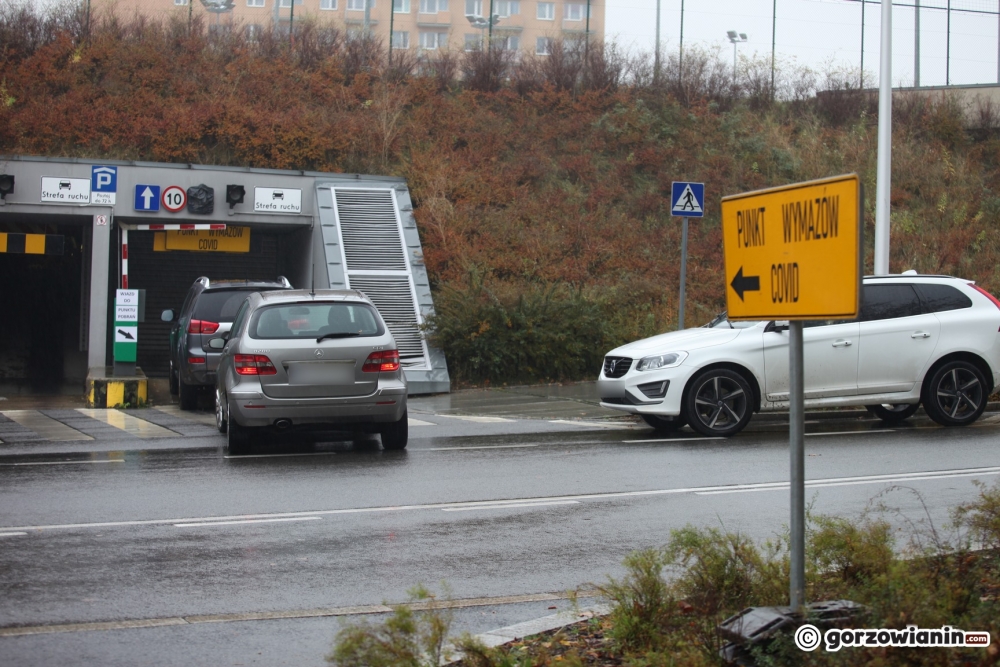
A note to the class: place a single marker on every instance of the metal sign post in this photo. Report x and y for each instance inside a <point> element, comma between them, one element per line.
<point>794,253</point>
<point>687,200</point>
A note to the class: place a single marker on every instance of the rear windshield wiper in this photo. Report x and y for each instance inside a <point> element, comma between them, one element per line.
<point>345,334</point>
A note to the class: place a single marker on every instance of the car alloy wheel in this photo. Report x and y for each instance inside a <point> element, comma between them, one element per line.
<point>956,394</point>
<point>893,413</point>
<point>220,417</point>
<point>718,403</point>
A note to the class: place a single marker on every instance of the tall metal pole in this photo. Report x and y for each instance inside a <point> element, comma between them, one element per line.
<point>734,66</point>
<point>684,261</point>
<point>490,19</point>
<point>368,17</point>
<point>680,62</point>
<point>916,44</point>
<point>883,184</point>
<point>656,55</point>
<point>586,45</point>
<point>862,84</point>
<point>947,55</point>
<point>392,16</point>
<point>796,447</point>
<point>774,32</point>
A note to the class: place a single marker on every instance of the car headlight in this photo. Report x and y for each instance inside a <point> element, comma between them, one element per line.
<point>659,361</point>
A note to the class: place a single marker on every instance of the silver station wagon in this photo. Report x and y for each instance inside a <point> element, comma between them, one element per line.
<point>300,360</point>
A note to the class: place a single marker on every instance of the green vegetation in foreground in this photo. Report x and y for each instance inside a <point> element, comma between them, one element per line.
<point>666,608</point>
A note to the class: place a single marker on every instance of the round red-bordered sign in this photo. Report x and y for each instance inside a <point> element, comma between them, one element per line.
<point>174,198</point>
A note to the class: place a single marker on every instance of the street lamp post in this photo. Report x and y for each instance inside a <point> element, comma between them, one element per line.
<point>735,38</point>
<point>484,24</point>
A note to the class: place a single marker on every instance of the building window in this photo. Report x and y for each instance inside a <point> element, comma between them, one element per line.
<point>473,7</point>
<point>180,2</point>
<point>510,43</point>
<point>547,11</point>
<point>507,8</point>
<point>255,3</point>
<point>353,5</point>
<point>401,6</point>
<point>433,6</point>
<point>575,11</point>
<point>288,3</point>
<point>328,4</point>
<point>543,46</point>
<point>400,39</point>
<point>433,40</point>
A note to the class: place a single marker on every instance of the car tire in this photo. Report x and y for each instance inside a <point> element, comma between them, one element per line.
<point>893,413</point>
<point>173,380</point>
<point>238,438</point>
<point>395,434</point>
<point>188,395</point>
<point>956,394</point>
<point>221,422</point>
<point>718,403</point>
<point>665,424</point>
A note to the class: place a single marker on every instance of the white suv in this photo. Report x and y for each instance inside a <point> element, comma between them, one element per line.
<point>919,339</point>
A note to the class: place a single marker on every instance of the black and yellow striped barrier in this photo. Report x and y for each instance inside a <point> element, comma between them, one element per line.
<point>32,244</point>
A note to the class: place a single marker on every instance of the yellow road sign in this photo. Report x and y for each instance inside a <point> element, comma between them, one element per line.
<point>230,239</point>
<point>794,252</point>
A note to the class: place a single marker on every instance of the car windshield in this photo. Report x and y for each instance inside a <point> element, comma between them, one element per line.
<point>722,321</point>
<point>315,320</point>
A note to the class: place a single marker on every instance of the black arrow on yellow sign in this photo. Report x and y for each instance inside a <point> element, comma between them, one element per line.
<point>743,283</point>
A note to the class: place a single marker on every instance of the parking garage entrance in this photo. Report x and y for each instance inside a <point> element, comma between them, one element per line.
<point>44,284</point>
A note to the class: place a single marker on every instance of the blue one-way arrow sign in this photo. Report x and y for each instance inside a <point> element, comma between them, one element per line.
<point>147,197</point>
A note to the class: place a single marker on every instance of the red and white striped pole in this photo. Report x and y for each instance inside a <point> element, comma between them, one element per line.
<point>124,257</point>
<point>156,228</point>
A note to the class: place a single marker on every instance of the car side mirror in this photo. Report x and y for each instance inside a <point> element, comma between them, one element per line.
<point>167,315</point>
<point>216,343</point>
<point>778,326</point>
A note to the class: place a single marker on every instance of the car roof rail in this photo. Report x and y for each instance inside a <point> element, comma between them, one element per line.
<point>204,281</point>
<point>284,281</point>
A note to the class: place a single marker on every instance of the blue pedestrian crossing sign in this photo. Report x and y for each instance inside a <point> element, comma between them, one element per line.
<point>687,200</point>
<point>147,198</point>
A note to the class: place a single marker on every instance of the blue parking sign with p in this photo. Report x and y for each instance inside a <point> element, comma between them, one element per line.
<point>103,179</point>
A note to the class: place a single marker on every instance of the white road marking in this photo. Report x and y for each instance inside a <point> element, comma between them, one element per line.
<point>481,419</point>
<point>60,463</point>
<point>237,523</point>
<point>611,495</point>
<point>12,534</point>
<point>452,449</point>
<point>879,430</point>
<point>46,427</point>
<point>278,456</point>
<point>589,424</point>
<point>418,422</point>
<point>131,425</point>
<point>854,481</point>
<point>675,439</point>
<point>511,506</point>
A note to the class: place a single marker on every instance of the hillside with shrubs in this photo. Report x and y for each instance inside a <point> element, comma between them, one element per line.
<point>540,184</point>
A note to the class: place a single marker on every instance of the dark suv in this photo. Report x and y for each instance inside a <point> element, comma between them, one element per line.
<point>208,312</point>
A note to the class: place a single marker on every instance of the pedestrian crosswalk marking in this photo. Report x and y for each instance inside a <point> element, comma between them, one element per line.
<point>46,427</point>
<point>131,425</point>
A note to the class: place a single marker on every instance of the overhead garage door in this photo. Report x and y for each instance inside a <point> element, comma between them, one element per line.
<point>167,276</point>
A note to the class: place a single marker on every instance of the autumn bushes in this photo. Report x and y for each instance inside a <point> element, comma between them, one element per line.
<point>540,183</point>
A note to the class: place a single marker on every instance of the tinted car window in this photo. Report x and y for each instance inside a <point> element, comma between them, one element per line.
<point>882,302</point>
<point>312,320</point>
<point>219,306</point>
<point>240,317</point>
<point>939,298</point>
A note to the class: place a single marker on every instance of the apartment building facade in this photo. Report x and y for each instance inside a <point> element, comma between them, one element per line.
<point>418,26</point>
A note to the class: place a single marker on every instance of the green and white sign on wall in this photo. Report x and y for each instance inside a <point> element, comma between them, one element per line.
<point>126,325</point>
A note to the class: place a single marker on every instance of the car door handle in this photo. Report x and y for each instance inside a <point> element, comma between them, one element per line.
<point>843,342</point>
<point>920,334</point>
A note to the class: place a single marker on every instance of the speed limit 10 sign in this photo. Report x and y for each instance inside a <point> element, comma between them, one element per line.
<point>174,198</point>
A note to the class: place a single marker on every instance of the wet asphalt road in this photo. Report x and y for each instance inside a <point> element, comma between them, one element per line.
<point>169,529</point>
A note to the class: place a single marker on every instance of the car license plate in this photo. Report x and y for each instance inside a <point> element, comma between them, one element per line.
<point>321,372</point>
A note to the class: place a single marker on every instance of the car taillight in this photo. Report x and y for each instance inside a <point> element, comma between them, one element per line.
<point>202,327</point>
<point>254,364</point>
<point>989,296</point>
<point>384,360</point>
<point>196,360</point>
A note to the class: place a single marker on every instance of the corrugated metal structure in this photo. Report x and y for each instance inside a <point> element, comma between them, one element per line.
<point>319,230</point>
